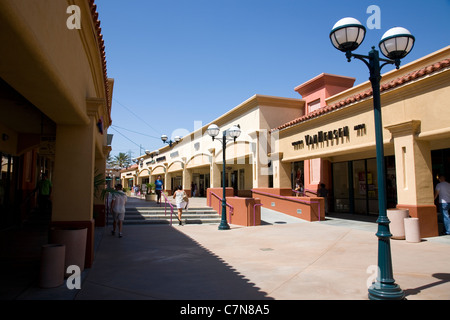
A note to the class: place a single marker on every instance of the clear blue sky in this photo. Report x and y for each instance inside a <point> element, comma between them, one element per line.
<point>179,61</point>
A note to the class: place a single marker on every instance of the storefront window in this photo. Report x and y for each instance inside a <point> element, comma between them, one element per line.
<point>372,186</point>
<point>341,187</point>
<point>361,195</point>
<point>7,189</point>
<point>391,182</point>
<point>297,173</point>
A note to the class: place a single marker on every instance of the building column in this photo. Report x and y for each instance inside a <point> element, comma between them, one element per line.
<point>215,170</point>
<point>73,181</point>
<point>187,179</point>
<point>281,172</point>
<point>414,176</point>
<point>260,161</point>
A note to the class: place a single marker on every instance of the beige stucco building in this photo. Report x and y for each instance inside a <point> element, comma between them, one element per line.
<point>336,143</point>
<point>197,159</point>
<point>55,109</point>
<point>328,137</point>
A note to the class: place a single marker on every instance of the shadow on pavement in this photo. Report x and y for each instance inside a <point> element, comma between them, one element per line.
<point>159,262</point>
<point>443,278</point>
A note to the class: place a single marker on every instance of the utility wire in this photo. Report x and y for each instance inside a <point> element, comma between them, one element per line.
<point>147,135</point>
<point>112,127</point>
<point>140,118</point>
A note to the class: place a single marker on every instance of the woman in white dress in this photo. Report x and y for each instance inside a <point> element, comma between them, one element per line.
<point>180,201</point>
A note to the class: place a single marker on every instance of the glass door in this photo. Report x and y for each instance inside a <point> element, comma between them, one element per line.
<point>8,178</point>
<point>360,183</point>
<point>341,190</point>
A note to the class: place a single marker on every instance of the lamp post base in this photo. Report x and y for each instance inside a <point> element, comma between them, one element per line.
<point>385,292</point>
<point>224,226</point>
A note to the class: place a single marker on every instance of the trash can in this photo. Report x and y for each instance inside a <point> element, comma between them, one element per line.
<point>75,241</point>
<point>412,230</point>
<point>51,274</point>
<point>397,225</point>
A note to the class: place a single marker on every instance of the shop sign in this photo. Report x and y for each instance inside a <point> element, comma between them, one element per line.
<point>323,136</point>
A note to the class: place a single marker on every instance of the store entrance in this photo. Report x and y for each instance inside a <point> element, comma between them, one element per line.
<point>441,164</point>
<point>200,182</point>
<point>355,186</point>
<point>8,184</point>
<point>440,160</point>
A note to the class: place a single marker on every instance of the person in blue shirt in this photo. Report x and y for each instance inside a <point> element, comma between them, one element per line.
<point>158,188</point>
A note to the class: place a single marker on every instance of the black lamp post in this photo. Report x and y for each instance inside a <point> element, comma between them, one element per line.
<point>346,35</point>
<point>234,132</point>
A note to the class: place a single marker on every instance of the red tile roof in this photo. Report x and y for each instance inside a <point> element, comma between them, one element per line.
<point>368,93</point>
<point>101,44</point>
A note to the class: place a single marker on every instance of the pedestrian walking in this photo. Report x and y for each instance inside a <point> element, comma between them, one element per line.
<point>323,192</point>
<point>119,199</point>
<point>442,191</point>
<point>181,201</point>
<point>44,189</point>
<point>158,188</point>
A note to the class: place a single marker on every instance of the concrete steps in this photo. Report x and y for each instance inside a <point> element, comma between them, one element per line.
<point>158,215</point>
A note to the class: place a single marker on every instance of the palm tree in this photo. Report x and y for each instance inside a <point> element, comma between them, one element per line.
<point>122,160</point>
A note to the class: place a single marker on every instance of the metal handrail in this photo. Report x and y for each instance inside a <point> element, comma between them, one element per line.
<point>289,198</point>
<point>304,192</point>
<point>165,207</point>
<point>299,192</point>
<point>228,205</point>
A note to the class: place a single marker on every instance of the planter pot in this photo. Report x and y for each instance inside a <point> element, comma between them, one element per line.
<point>412,230</point>
<point>51,274</point>
<point>397,225</point>
<point>75,242</point>
<point>150,197</point>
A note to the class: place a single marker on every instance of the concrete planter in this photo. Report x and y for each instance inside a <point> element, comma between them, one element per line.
<point>51,274</point>
<point>412,230</point>
<point>75,242</point>
<point>397,226</point>
<point>150,197</point>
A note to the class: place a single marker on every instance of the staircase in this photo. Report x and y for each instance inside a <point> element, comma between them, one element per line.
<point>159,215</point>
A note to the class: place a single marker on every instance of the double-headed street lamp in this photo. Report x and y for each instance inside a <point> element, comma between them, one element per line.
<point>346,35</point>
<point>164,139</point>
<point>233,133</point>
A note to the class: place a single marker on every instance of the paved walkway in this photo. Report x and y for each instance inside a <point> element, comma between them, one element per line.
<point>283,259</point>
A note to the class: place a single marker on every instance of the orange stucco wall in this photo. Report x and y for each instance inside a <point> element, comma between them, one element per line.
<point>281,200</point>
<point>246,211</point>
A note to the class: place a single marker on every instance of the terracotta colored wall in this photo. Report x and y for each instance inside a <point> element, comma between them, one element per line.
<point>282,201</point>
<point>90,225</point>
<point>212,200</point>
<point>427,215</point>
<point>246,211</point>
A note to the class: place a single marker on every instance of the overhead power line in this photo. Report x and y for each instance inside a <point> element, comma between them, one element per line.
<point>138,117</point>
<point>143,134</point>
<point>112,127</point>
